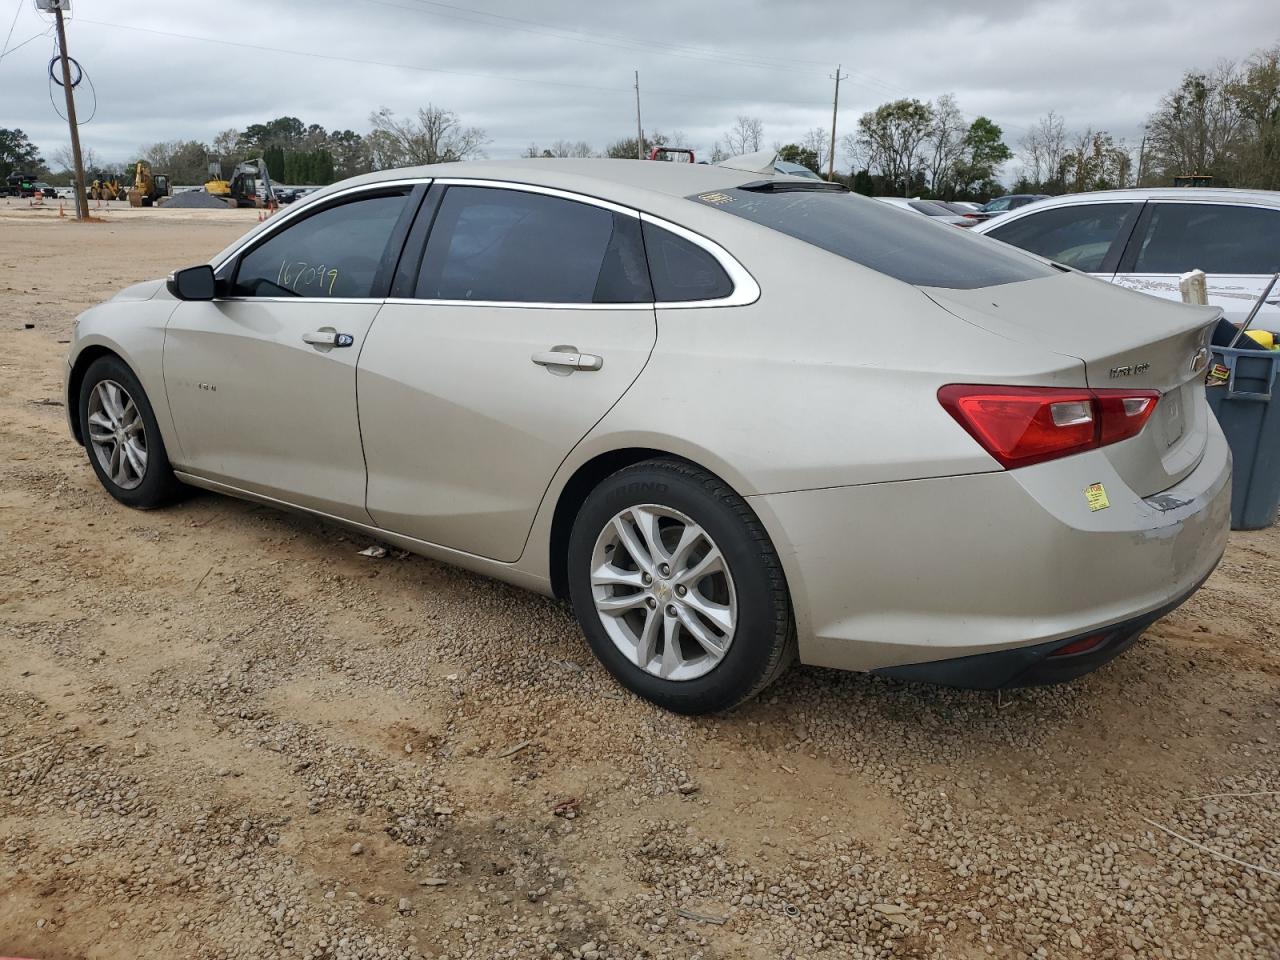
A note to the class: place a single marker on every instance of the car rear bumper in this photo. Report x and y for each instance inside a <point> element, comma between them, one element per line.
<point>912,573</point>
<point>1037,665</point>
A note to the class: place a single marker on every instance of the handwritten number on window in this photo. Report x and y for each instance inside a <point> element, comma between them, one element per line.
<point>304,279</point>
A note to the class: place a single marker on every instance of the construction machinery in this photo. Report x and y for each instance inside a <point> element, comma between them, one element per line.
<point>104,188</point>
<point>148,188</point>
<point>249,186</point>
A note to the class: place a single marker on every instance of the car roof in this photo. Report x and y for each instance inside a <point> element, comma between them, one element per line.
<point>609,178</point>
<point>1217,194</point>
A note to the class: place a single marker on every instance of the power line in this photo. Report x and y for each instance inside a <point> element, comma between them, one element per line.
<point>14,49</point>
<point>409,66</point>
<point>12,23</point>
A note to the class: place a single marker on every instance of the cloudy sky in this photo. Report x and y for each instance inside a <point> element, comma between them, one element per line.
<point>544,70</point>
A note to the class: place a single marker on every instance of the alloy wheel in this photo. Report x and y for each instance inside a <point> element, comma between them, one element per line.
<point>117,434</point>
<point>664,592</point>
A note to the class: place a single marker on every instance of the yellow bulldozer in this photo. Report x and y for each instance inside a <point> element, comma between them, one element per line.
<point>148,188</point>
<point>104,189</point>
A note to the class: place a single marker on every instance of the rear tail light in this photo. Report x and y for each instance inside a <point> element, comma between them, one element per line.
<point>1020,426</point>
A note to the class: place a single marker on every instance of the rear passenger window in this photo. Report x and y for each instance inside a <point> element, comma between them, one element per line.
<point>1078,235</point>
<point>1215,238</point>
<point>334,253</point>
<point>682,270</point>
<point>492,244</point>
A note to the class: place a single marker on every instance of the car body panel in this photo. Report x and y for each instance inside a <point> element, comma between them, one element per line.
<point>257,407</point>
<point>463,431</point>
<point>898,573</point>
<point>1131,343</point>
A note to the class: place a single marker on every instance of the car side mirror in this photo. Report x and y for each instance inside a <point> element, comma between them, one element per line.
<point>193,283</point>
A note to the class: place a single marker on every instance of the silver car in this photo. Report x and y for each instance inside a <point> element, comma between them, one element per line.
<point>1146,239</point>
<point>733,418</point>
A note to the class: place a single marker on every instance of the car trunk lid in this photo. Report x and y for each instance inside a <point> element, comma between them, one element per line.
<point>1125,341</point>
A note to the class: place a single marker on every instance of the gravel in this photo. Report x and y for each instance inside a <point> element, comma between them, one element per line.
<point>195,199</point>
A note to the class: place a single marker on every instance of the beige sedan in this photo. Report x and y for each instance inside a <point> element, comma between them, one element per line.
<point>733,417</point>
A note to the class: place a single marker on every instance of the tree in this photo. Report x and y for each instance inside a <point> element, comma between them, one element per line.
<point>984,153</point>
<point>1196,127</point>
<point>1043,150</point>
<point>349,152</point>
<point>184,161</point>
<point>892,137</point>
<point>625,149</point>
<point>434,135</point>
<point>17,153</point>
<point>745,136</point>
<point>945,146</point>
<point>1257,95</point>
<point>64,160</point>
<point>818,142</point>
<point>794,153</point>
<point>280,132</point>
<point>564,148</point>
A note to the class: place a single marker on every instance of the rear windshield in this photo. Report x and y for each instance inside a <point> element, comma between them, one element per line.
<point>910,249</point>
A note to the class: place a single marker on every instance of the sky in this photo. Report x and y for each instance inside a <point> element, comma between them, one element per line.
<point>547,70</point>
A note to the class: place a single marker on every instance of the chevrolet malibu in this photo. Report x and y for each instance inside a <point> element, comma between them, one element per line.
<point>735,419</point>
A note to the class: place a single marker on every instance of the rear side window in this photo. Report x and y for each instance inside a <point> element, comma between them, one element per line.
<point>334,253</point>
<point>1078,235</point>
<point>873,234</point>
<point>1215,238</point>
<point>681,270</point>
<point>516,247</point>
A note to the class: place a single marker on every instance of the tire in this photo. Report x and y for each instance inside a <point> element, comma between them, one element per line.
<point>153,486</point>
<point>676,501</point>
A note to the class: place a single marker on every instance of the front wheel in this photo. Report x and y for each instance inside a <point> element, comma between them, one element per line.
<point>122,438</point>
<point>678,589</point>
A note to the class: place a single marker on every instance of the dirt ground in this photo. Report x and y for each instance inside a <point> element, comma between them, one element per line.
<point>224,733</point>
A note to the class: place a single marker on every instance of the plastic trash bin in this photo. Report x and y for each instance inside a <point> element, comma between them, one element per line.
<point>1248,408</point>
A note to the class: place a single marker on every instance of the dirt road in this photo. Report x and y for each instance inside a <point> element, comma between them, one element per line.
<point>224,733</point>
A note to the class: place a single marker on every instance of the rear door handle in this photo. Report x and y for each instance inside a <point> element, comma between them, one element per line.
<point>568,357</point>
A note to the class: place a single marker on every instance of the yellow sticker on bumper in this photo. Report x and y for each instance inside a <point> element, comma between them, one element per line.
<point>1096,494</point>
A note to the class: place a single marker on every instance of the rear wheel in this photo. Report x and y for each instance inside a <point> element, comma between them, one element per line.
<point>678,589</point>
<point>122,438</point>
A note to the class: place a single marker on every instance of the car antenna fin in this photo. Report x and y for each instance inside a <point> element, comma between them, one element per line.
<point>761,161</point>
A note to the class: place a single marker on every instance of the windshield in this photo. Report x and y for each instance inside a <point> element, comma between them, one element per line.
<point>873,234</point>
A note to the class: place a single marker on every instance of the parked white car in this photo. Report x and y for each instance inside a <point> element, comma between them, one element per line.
<point>1146,239</point>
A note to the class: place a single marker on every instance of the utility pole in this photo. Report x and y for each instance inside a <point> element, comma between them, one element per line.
<point>835,106</point>
<point>639,129</point>
<point>1142,151</point>
<point>82,202</point>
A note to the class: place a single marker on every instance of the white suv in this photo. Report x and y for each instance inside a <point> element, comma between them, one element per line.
<point>1145,239</point>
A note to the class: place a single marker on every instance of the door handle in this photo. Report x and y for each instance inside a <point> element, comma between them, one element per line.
<point>568,357</point>
<point>328,338</point>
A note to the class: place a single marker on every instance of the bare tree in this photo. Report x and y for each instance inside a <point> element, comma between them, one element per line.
<point>434,135</point>
<point>946,144</point>
<point>819,141</point>
<point>745,136</point>
<point>566,148</point>
<point>64,160</point>
<point>1044,149</point>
